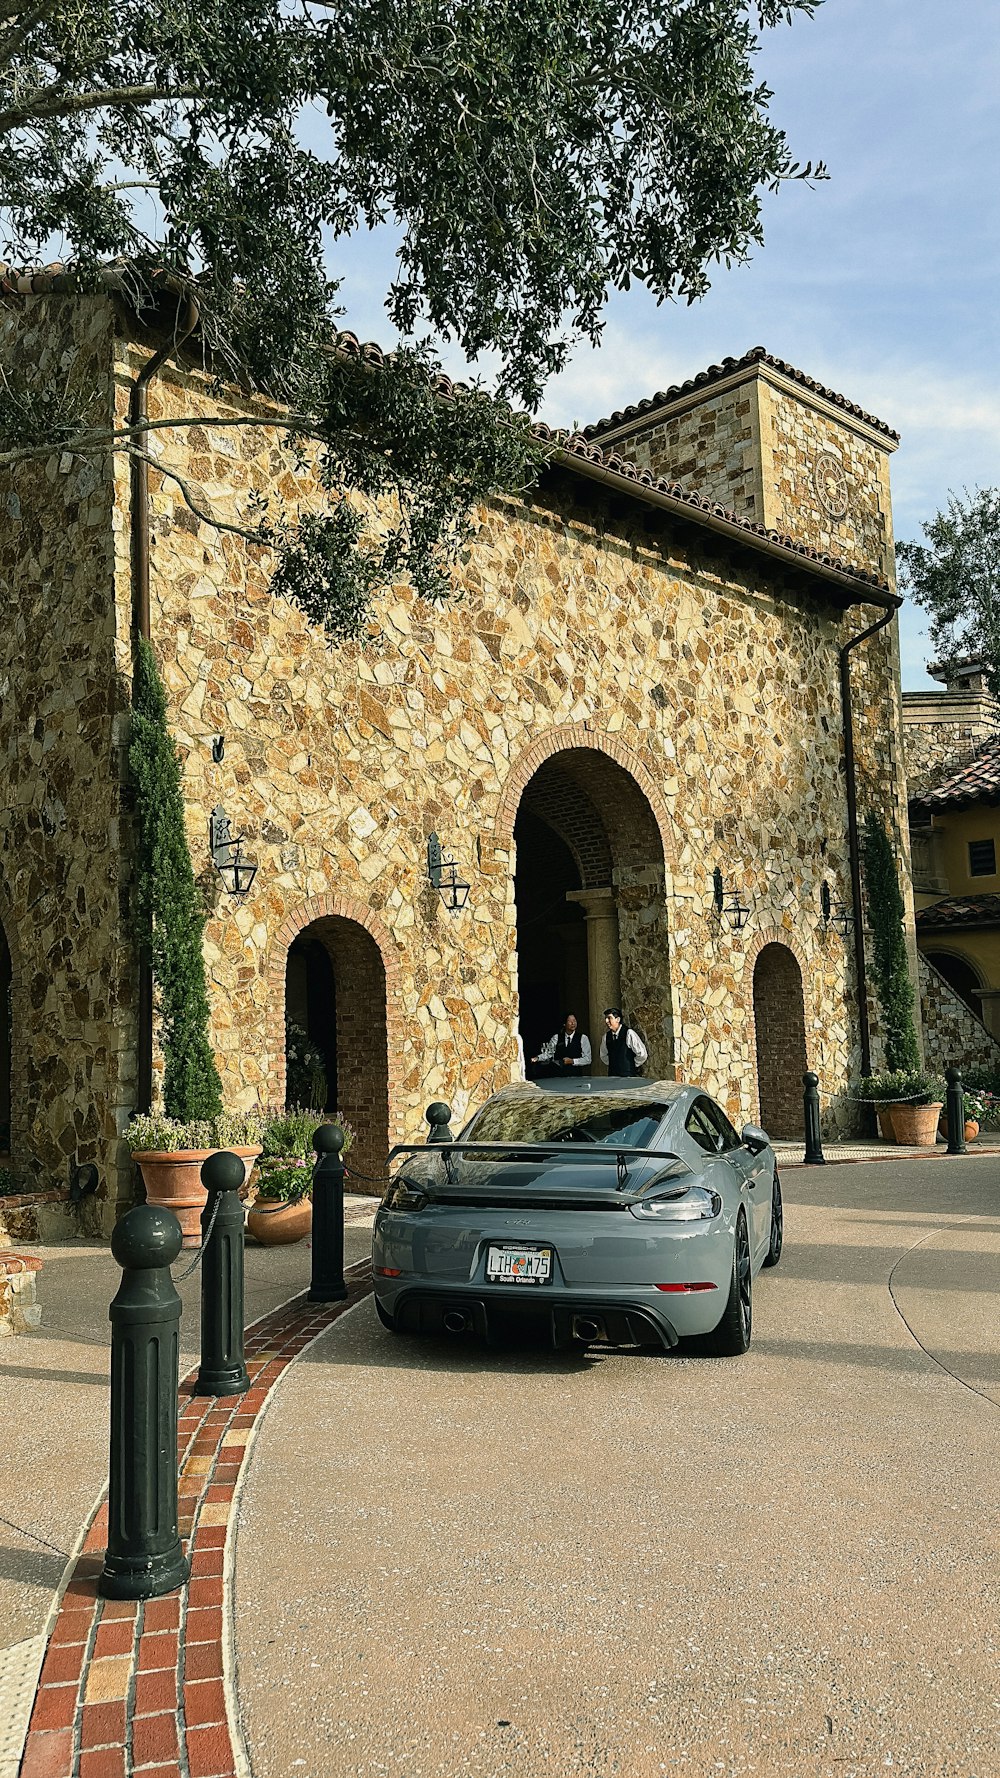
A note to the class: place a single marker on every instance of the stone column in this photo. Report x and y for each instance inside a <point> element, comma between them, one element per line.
<point>989,999</point>
<point>603,961</point>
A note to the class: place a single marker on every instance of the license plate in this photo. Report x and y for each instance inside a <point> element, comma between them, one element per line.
<point>519,1265</point>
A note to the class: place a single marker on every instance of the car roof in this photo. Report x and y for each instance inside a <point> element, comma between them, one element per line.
<point>607,1086</point>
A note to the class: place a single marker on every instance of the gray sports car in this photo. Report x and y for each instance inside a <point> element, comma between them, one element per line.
<point>623,1211</point>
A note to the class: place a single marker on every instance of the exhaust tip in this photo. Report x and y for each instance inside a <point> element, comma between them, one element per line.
<point>584,1328</point>
<point>456,1321</point>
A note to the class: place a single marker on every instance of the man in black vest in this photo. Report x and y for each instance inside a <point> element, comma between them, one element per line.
<point>622,1049</point>
<point>569,1048</point>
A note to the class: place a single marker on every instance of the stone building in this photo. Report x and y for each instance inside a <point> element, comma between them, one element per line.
<point>640,686</point>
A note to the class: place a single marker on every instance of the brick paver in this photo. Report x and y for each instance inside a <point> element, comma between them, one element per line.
<point>139,1690</point>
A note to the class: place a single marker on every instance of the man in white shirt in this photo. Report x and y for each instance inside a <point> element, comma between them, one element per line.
<point>622,1049</point>
<point>568,1048</point>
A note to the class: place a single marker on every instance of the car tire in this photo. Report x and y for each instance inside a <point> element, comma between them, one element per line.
<point>732,1336</point>
<point>387,1320</point>
<point>777,1240</point>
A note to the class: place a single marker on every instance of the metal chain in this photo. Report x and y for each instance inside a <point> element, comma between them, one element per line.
<point>206,1237</point>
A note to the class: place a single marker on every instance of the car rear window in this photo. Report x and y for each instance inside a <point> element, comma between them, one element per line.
<point>623,1123</point>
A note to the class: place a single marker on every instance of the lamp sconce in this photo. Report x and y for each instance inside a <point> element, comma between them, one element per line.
<point>237,872</point>
<point>442,874</point>
<point>734,909</point>
<point>834,913</point>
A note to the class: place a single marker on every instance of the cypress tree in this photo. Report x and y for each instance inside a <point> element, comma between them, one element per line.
<point>890,965</point>
<point>170,908</point>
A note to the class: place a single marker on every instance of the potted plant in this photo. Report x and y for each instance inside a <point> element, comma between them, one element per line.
<point>883,1091</point>
<point>915,1118</point>
<point>282,1206</point>
<point>282,1209</point>
<point>170,1152</point>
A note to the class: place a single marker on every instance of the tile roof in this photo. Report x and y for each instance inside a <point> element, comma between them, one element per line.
<point>977,781</point>
<point>960,910</point>
<point>575,451</point>
<point>715,374</point>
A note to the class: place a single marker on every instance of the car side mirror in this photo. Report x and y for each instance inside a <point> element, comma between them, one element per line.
<point>755,1139</point>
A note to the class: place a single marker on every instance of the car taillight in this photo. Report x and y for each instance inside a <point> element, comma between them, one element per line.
<point>687,1287</point>
<point>389,1272</point>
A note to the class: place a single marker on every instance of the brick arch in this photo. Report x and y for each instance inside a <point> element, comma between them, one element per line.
<point>19,1119</point>
<point>779,1076</point>
<point>568,737</point>
<point>314,911</point>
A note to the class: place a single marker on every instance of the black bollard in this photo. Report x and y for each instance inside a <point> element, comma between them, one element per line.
<point>328,1216</point>
<point>438,1116</point>
<point>222,1370</point>
<point>144,1556</point>
<point>955,1111</point>
<point>814,1156</point>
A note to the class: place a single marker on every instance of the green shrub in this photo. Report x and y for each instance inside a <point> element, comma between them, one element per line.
<point>305,1068</point>
<point>170,909</point>
<point>229,1130</point>
<point>890,965</point>
<point>290,1133</point>
<point>9,1186</point>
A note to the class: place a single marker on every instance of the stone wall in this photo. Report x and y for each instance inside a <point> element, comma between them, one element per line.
<point>62,698</point>
<point>953,1036</point>
<point>689,691</point>
<point>711,447</point>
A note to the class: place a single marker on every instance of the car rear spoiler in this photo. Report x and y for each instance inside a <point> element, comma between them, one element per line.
<point>527,1152</point>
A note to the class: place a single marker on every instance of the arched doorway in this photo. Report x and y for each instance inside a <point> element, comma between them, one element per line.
<point>589,889</point>
<point>960,974</point>
<point>780,1025</point>
<point>6,1041</point>
<point>335,993</point>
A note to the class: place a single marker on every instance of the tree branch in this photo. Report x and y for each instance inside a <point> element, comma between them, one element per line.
<point>54,101</point>
<point>256,537</point>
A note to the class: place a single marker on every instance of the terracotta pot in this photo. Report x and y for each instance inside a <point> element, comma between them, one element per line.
<point>173,1181</point>
<point>915,1126</point>
<point>971,1128</point>
<point>274,1224</point>
<point>885,1129</point>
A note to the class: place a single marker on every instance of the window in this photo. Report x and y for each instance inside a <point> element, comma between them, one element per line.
<point>982,858</point>
<point>728,1135</point>
<point>701,1128</point>
<point>548,1117</point>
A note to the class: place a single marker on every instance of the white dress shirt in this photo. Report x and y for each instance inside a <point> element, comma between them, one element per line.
<point>633,1042</point>
<point>548,1050</point>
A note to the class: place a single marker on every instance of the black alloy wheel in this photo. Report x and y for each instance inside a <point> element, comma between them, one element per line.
<point>732,1336</point>
<point>777,1240</point>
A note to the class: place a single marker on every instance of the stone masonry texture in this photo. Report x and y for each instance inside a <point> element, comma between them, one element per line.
<point>683,691</point>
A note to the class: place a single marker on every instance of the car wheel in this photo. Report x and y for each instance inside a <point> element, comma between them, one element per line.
<point>777,1240</point>
<point>732,1336</point>
<point>386,1319</point>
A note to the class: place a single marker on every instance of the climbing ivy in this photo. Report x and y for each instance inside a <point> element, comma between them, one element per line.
<point>170,909</point>
<point>890,965</point>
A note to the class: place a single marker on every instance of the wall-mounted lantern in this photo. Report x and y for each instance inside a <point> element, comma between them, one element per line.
<point>442,874</point>
<point>834,913</point>
<point>237,872</point>
<point>734,910</point>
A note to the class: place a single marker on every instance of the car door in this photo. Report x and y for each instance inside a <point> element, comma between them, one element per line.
<point>751,1168</point>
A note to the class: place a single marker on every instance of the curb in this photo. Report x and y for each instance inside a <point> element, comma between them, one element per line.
<point>146,1687</point>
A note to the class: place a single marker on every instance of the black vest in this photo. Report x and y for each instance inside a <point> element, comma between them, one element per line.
<point>621,1059</point>
<point>568,1046</point>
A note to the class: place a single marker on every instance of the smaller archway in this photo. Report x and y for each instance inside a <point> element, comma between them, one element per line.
<point>335,994</point>
<point>6,1041</point>
<point>780,1029</point>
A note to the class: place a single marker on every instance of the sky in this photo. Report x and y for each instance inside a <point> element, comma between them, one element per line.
<point>881,283</point>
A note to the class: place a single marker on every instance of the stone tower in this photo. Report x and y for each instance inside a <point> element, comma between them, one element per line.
<point>772,445</point>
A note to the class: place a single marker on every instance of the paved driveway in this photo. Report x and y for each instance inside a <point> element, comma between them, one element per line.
<point>453,1561</point>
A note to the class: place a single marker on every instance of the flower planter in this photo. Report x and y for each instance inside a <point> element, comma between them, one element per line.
<point>915,1126</point>
<point>275,1224</point>
<point>971,1128</point>
<point>885,1129</point>
<point>173,1181</point>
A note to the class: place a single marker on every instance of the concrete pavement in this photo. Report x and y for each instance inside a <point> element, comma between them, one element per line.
<point>452,1561</point>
